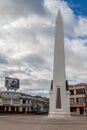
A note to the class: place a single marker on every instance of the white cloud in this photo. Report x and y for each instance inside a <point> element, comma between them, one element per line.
<point>27,43</point>
<point>81,29</point>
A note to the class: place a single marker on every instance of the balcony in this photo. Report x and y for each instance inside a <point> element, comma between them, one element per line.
<point>77,104</point>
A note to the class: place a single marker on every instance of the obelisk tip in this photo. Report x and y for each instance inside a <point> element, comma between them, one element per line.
<point>59,16</point>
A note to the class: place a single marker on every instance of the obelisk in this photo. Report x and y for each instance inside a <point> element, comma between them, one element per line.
<point>59,97</point>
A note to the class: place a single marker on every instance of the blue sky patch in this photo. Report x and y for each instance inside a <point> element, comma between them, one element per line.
<point>85,44</point>
<point>71,81</point>
<point>82,37</point>
<point>79,7</point>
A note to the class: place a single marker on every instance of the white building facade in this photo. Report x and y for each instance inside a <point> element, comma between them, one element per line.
<point>14,102</point>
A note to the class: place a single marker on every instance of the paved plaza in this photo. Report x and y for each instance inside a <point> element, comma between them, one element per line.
<point>41,122</point>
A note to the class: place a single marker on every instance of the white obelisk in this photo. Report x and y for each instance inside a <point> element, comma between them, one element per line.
<point>59,97</point>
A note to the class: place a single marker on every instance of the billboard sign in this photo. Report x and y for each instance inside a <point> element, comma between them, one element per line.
<point>11,83</point>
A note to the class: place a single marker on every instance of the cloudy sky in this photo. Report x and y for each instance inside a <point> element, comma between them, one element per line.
<point>27,30</point>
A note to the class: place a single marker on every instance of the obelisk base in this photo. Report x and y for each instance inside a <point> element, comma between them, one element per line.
<point>64,112</point>
<point>59,116</point>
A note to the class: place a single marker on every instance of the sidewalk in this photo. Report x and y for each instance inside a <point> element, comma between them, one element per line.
<point>41,122</point>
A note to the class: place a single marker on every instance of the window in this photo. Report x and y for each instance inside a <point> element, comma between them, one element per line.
<point>80,91</point>
<point>71,92</point>
<point>16,101</point>
<point>72,109</point>
<point>24,101</point>
<point>71,100</point>
<point>80,100</point>
<point>6,101</point>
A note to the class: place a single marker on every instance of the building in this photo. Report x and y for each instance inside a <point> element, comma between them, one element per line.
<point>78,99</point>
<point>16,102</point>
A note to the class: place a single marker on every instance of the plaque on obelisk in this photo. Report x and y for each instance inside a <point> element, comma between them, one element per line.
<point>59,97</point>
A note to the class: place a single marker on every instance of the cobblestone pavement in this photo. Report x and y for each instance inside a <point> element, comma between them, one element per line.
<point>41,122</point>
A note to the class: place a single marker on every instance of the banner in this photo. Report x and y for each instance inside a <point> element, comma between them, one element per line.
<point>11,83</point>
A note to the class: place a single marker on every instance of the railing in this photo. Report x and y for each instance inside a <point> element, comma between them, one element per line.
<point>77,104</point>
